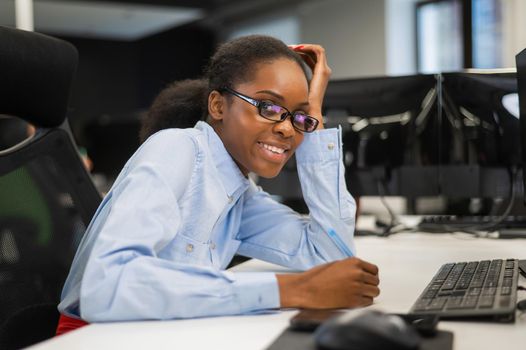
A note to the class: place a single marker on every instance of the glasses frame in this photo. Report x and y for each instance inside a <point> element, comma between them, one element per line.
<point>257,103</point>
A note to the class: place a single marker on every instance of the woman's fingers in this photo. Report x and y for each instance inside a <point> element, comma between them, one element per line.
<point>314,57</point>
<point>308,59</point>
<point>371,279</point>
<point>367,266</point>
<point>370,291</point>
<point>368,300</point>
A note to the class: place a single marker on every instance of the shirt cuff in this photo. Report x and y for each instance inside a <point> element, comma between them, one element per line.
<point>256,291</point>
<point>325,144</point>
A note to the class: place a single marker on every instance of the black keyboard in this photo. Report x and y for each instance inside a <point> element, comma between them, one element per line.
<point>476,289</point>
<point>448,222</point>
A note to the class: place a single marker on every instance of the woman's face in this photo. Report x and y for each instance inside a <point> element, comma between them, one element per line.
<point>259,145</point>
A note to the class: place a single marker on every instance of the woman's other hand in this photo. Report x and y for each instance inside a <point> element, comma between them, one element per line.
<point>341,284</point>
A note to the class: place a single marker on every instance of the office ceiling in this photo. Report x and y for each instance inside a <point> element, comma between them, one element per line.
<point>128,20</point>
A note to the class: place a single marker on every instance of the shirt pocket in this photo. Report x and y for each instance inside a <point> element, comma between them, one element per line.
<point>190,251</point>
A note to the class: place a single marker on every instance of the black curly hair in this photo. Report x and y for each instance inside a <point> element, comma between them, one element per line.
<point>182,103</point>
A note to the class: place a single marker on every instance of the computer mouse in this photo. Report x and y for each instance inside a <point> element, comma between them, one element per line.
<point>367,330</point>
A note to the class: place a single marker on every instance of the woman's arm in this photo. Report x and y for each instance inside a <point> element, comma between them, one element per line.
<point>141,265</point>
<point>274,232</point>
<point>297,241</point>
<point>314,56</point>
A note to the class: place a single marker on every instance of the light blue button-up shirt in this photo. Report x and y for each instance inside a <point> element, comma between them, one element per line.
<point>180,209</point>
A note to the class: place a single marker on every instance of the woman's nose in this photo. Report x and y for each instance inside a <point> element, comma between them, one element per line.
<point>285,127</point>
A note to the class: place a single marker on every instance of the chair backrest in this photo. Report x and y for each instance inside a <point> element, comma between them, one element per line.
<point>47,198</point>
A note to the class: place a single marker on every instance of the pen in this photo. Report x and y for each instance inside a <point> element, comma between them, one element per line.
<point>339,243</point>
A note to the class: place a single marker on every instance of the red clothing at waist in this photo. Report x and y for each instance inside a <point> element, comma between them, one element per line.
<point>66,324</point>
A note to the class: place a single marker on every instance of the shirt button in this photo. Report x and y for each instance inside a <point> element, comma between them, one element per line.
<point>189,248</point>
<point>212,245</point>
<point>230,199</point>
<point>330,146</point>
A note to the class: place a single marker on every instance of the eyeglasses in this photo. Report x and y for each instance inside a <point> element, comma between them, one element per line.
<point>268,110</point>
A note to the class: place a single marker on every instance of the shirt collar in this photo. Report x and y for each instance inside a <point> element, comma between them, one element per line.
<point>230,175</point>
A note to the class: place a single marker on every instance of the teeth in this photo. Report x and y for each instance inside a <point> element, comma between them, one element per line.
<point>273,148</point>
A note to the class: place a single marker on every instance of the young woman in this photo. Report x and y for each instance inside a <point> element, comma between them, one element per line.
<point>183,205</point>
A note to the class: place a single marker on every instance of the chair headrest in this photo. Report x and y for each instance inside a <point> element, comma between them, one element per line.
<point>36,72</point>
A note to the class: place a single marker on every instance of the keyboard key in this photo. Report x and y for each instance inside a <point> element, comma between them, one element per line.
<point>437,304</point>
<point>477,282</point>
<point>421,304</point>
<point>486,301</point>
<point>454,303</point>
<point>430,294</point>
<point>449,285</point>
<point>489,291</point>
<point>445,293</point>
<point>474,291</point>
<point>491,282</point>
<point>469,302</point>
<point>463,284</point>
<point>458,293</point>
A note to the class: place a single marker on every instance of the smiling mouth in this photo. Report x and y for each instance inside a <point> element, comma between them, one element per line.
<point>272,149</point>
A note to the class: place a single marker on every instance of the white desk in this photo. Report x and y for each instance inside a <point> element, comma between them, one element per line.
<point>407,262</point>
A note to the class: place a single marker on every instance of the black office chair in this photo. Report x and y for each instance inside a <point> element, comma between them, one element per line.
<point>47,198</point>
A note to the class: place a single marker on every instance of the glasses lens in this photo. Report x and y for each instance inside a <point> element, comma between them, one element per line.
<point>271,111</point>
<point>304,122</point>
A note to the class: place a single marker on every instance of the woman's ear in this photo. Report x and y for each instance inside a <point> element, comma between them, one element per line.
<point>216,104</point>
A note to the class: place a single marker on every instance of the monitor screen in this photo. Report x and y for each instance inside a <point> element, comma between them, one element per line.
<point>389,133</point>
<point>479,111</point>
<point>483,143</point>
<point>383,119</point>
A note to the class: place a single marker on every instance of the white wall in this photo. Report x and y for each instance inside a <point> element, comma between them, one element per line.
<point>284,26</point>
<point>361,37</point>
<point>514,19</point>
<point>370,37</point>
<point>352,32</point>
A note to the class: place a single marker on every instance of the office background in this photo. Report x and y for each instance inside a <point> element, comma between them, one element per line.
<point>129,50</point>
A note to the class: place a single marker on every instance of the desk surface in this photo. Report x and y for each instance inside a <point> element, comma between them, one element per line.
<point>407,263</point>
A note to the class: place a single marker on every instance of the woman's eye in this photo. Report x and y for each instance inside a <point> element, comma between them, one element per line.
<point>300,113</point>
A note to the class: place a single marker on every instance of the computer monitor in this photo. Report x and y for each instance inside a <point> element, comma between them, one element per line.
<point>520,60</point>
<point>454,135</point>
<point>479,107</point>
<point>483,143</point>
<point>389,134</point>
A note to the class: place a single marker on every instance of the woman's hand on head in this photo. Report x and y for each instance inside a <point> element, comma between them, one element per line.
<point>314,56</point>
